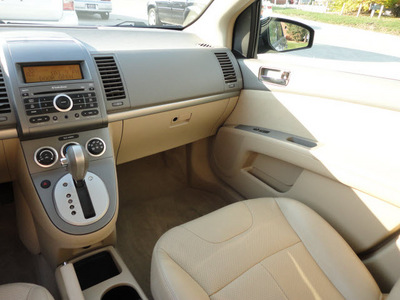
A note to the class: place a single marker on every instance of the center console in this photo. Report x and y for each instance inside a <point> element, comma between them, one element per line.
<point>66,194</point>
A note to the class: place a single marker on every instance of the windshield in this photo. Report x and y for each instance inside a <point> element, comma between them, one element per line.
<point>136,13</point>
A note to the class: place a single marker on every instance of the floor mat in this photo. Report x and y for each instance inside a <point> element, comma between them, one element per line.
<point>154,197</point>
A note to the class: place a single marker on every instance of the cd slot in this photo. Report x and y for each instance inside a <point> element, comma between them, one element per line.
<point>59,91</point>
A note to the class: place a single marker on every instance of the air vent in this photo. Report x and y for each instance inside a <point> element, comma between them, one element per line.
<point>4,102</point>
<point>204,45</point>
<point>227,67</point>
<point>111,78</point>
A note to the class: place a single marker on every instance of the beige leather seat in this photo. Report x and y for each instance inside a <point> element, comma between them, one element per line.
<point>258,249</point>
<point>24,291</point>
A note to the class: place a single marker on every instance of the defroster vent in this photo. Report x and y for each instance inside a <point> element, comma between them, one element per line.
<point>112,82</point>
<point>227,67</point>
<point>4,101</point>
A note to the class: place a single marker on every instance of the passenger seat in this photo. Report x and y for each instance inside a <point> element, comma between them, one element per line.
<point>267,248</point>
<point>24,291</point>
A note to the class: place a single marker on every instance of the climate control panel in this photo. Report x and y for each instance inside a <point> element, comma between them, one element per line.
<point>47,156</point>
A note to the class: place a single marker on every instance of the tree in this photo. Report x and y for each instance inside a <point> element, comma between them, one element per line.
<point>353,5</point>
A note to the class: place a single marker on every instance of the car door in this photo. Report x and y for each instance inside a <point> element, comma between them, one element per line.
<point>322,131</point>
<point>179,8</point>
<point>164,10</point>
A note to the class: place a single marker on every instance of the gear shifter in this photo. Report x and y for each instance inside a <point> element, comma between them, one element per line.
<point>77,163</point>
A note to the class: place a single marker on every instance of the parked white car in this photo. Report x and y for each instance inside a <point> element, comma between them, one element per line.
<point>43,11</point>
<point>102,7</point>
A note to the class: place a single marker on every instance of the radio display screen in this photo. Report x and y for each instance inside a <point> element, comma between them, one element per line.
<point>52,73</point>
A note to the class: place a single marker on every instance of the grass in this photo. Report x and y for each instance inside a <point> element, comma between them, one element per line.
<point>295,45</point>
<point>387,25</point>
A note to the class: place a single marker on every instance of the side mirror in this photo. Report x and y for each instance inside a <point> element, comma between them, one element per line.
<point>282,35</point>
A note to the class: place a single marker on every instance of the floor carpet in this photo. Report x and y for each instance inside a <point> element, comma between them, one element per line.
<point>154,197</point>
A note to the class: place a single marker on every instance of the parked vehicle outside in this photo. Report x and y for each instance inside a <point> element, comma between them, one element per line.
<point>102,7</point>
<point>266,9</point>
<point>181,12</point>
<point>44,11</point>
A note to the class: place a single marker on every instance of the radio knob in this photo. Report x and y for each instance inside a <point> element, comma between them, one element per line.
<point>63,102</point>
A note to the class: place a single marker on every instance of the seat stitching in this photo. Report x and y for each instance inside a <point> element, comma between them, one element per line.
<point>29,292</point>
<point>266,269</point>
<point>165,278</point>
<point>254,266</point>
<point>294,230</point>
<point>215,243</point>
<point>167,283</point>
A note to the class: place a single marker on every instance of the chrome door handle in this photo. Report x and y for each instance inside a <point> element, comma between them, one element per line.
<point>274,76</point>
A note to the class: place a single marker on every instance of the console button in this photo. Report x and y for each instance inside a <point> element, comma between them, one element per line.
<point>91,100</point>
<point>31,100</point>
<point>33,112</point>
<point>96,147</point>
<point>120,103</point>
<point>92,112</point>
<point>45,184</point>
<point>49,110</point>
<point>39,119</point>
<point>79,106</point>
<point>91,105</point>
<point>32,106</point>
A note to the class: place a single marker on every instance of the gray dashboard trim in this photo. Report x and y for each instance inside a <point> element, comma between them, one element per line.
<point>140,112</point>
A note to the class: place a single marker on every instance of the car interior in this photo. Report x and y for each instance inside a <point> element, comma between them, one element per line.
<point>166,163</point>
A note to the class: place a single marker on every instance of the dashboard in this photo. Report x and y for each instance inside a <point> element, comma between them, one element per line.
<point>57,82</point>
<point>153,90</point>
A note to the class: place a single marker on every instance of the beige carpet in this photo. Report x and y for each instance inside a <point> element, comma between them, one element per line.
<point>154,197</point>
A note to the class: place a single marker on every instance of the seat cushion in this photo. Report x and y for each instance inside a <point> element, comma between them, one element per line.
<point>268,248</point>
<point>24,291</point>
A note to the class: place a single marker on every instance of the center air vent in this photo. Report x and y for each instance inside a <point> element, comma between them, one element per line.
<point>111,78</point>
<point>4,102</point>
<point>227,67</point>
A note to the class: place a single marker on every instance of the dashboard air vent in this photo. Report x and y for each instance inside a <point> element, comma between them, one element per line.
<point>4,102</point>
<point>204,45</point>
<point>111,78</point>
<point>227,67</point>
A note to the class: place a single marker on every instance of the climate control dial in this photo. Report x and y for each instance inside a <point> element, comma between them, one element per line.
<point>46,157</point>
<point>63,102</point>
<point>96,147</point>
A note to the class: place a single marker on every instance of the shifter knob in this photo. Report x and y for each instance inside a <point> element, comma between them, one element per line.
<point>76,163</point>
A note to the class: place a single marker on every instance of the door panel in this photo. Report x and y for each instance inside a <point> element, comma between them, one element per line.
<point>325,139</point>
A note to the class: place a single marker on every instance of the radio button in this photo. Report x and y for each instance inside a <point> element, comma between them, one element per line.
<point>88,113</point>
<point>79,106</point>
<point>91,105</point>
<point>33,112</point>
<point>78,100</point>
<point>31,100</point>
<point>91,100</point>
<point>49,110</point>
<point>39,119</point>
<point>32,106</point>
<point>46,104</point>
<point>63,103</point>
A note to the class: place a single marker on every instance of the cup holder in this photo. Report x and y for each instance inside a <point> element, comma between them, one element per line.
<point>122,292</point>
